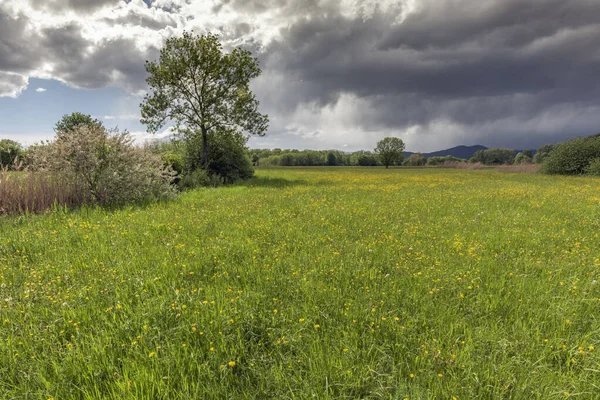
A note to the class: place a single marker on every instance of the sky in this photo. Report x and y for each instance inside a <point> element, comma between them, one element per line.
<point>336,74</point>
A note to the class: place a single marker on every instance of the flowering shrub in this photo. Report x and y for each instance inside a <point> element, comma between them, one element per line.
<point>107,164</point>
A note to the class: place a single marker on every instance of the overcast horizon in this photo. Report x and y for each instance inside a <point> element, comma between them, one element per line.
<point>336,74</point>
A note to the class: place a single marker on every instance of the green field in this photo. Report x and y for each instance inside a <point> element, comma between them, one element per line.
<point>340,283</point>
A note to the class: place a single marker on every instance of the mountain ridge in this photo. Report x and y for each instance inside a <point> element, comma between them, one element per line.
<point>461,151</point>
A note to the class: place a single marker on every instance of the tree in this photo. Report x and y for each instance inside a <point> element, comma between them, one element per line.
<point>542,153</point>
<point>228,157</point>
<point>594,167</point>
<point>523,158</point>
<point>494,156</point>
<point>528,153</point>
<point>331,160</point>
<point>10,153</point>
<point>497,156</point>
<point>69,122</point>
<point>390,151</point>
<point>415,160</point>
<point>438,160</point>
<point>479,156</point>
<point>367,160</point>
<point>202,90</point>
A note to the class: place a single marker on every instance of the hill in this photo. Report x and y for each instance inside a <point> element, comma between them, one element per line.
<point>458,151</point>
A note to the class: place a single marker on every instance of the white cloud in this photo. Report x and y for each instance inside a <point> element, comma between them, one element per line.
<point>312,126</point>
<point>125,117</point>
<point>141,137</point>
<point>11,85</point>
<point>40,90</point>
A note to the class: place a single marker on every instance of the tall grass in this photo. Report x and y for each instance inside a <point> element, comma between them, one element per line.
<point>324,283</point>
<point>22,192</point>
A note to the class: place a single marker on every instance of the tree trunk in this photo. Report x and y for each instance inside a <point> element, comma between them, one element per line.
<point>204,147</point>
<point>386,166</point>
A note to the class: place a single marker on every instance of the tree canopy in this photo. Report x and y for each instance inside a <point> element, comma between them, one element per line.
<point>69,122</point>
<point>542,153</point>
<point>390,151</point>
<point>494,156</point>
<point>202,90</point>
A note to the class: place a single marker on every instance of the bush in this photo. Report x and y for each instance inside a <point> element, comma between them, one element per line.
<point>173,161</point>
<point>228,157</point>
<point>437,160</point>
<point>542,153</point>
<point>523,158</point>
<point>572,157</point>
<point>109,167</point>
<point>367,160</point>
<point>10,153</point>
<point>194,179</point>
<point>415,160</point>
<point>594,167</point>
<point>494,156</point>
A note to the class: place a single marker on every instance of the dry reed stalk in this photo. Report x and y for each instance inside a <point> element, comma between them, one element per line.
<point>463,165</point>
<point>23,192</point>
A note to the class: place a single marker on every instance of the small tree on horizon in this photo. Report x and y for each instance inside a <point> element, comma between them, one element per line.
<point>390,151</point>
<point>202,90</point>
<point>69,122</point>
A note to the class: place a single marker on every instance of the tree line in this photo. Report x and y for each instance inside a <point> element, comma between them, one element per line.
<point>575,156</point>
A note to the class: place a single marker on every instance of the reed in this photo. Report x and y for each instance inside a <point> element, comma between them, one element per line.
<point>33,192</point>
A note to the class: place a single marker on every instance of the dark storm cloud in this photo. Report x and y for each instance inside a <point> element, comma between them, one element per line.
<point>355,55</point>
<point>467,62</point>
<point>111,63</point>
<point>507,23</point>
<point>107,63</point>
<point>65,44</point>
<point>16,53</point>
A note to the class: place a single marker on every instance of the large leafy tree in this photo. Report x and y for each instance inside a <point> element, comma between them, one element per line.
<point>390,151</point>
<point>202,90</point>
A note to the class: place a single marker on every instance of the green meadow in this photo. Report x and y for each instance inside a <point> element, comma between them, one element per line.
<point>313,283</point>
